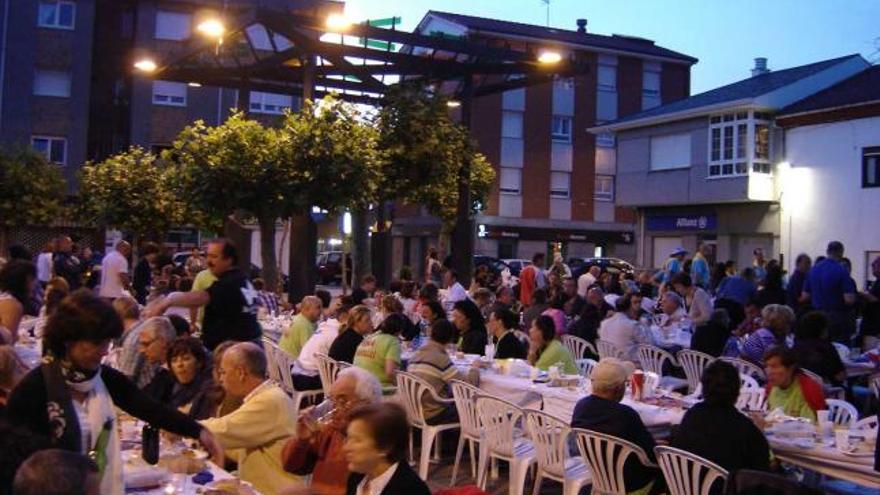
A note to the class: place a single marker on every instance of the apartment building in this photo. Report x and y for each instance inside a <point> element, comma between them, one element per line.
<point>555,187</point>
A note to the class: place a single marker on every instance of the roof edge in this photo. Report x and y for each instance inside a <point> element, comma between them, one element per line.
<point>827,109</point>
<point>671,117</point>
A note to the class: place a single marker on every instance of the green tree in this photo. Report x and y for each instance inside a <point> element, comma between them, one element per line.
<point>130,191</point>
<point>32,191</point>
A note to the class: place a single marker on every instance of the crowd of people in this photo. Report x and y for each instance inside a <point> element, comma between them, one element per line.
<point>181,347</point>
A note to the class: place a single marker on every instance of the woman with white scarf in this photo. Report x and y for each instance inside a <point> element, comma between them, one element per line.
<point>71,397</point>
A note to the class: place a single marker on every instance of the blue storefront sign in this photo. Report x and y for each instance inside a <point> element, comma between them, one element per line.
<point>681,222</point>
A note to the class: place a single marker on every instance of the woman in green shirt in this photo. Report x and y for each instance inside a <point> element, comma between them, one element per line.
<point>790,389</point>
<point>545,350</point>
<point>380,352</point>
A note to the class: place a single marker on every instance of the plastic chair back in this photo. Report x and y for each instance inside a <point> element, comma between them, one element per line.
<point>652,358</point>
<point>577,346</point>
<point>842,413</point>
<point>464,395</point>
<point>607,349</point>
<point>550,437</point>
<point>499,419</point>
<point>693,362</point>
<point>606,456</point>
<point>688,474</point>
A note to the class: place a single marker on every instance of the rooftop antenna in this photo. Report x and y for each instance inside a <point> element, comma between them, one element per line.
<point>547,3</point>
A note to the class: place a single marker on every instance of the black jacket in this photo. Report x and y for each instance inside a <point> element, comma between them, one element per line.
<point>510,347</point>
<point>404,481</point>
<point>474,342</point>
<point>27,406</point>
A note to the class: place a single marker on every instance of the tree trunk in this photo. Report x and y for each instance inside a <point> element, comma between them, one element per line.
<point>267,253</point>
<point>381,248</point>
<point>285,236</point>
<point>241,239</point>
<point>360,246</point>
<point>4,236</point>
<point>303,256</point>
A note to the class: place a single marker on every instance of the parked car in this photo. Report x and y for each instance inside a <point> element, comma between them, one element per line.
<point>330,266</point>
<point>516,265</point>
<point>579,266</point>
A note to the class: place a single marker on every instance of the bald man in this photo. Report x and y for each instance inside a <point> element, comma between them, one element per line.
<point>254,434</point>
<point>114,272</point>
<point>302,327</point>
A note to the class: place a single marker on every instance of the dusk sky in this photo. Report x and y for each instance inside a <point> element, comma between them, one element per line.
<point>725,35</point>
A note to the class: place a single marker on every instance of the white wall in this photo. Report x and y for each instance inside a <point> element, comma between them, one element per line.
<point>822,196</point>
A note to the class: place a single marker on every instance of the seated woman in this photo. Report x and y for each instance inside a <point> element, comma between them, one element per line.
<point>778,320</point>
<point>813,351</point>
<point>471,328</point>
<point>503,325</point>
<point>186,382</point>
<point>375,447</point>
<point>429,312</point>
<point>432,364</point>
<point>715,430</point>
<point>545,350</point>
<point>17,281</point>
<point>788,388</point>
<point>379,353</point>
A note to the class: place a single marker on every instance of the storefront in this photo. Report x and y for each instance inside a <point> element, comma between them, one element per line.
<point>523,242</point>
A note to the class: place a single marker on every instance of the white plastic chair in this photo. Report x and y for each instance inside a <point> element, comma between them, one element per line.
<point>605,455</point>
<point>686,473</point>
<point>577,346</point>
<point>285,367</point>
<point>412,390</point>
<point>464,395</point>
<point>652,359</point>
<point>328,369</point>
<point>752,399</point>
<point>272,363</point>
<point>550,437</point>
<point>607,349</point>
<point>746,368</point>
<point>585,366</point>
<point>869,423</point>
<point>830,390</point>
<point>693,363</point>
<point>842,351</point>
<point>748,383</point>
<point>500,441</point>
<point>842,413</point>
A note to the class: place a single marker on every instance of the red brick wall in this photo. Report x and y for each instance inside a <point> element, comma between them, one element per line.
<point>51,116</point>
<point>53,49</point>
<point>583,172</point>
<point>629,86</point>
<point>675,82</point>
<point>486,130</point>
<point>536,154</point>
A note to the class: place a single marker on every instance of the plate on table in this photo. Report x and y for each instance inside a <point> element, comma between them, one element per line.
<point>233,486</point>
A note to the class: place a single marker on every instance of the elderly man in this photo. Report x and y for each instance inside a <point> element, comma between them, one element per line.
<point>305,368</point>
<point>585,281</point>
<point>114,272</point>
<point>317,450</point>
<point>302,327</point>
<point>602,412</point>
<point>624,332</point>
<point>254,434</point>
<point>132,360</point>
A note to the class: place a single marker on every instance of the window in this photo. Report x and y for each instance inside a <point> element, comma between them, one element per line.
<point>871,167</point>
<point>173,26</point>
<point>52,83</point>
<point>604,190</point>
<point>169,93</point>
<point>605,140</point>
<point>269,102</point>
<point>670,152</point>
<point>510,181</point>
<point>607,75</point>
<point>561,130</point>
<point>739,144</point>
<point>560,185</point>
<point>511,124</point>
<point>57,14</point>
<point>650,85</point>
<point>53,148</point>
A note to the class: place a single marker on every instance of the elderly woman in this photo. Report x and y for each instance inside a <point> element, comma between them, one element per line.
<point>72,398</point>
<point>471,328</point>
<point>186,381</point>
<point>375,449</point>
<point>380,353</point>
<point>673,313</point>
<point>317,448</point>
<point>545,350</point>
<point>17,281</point>
<point>778,320</point>
<point>788,388</point>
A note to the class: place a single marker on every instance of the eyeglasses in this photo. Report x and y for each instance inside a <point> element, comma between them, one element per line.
<point>147,343</point>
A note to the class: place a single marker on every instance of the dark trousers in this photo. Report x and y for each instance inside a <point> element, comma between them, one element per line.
<point>305,382</point>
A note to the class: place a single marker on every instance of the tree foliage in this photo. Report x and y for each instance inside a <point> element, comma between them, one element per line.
<point>32,190</point>
<point>130,191</point>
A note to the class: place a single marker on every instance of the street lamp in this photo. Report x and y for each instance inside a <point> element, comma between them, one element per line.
<point>145,65</point>
<point>549,57</point>
<point>337,22</point>
<point>453,103</point>
<point>212,28</point>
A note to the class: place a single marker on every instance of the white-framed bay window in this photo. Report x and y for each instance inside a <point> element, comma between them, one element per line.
<point>739,142</point>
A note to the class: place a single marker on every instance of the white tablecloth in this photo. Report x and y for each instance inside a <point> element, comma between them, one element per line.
<point>828,461</point>
<point>859,369</point>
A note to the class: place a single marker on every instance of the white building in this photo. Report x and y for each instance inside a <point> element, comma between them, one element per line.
<point>829,183</point>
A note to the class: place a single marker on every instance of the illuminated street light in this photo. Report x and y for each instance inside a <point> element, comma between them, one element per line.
<point>549,57</point>
<point>194,84</point>
<point>453,103</point>
<point>145,65</point>
<point>337,22</point>
<point>211,28</point>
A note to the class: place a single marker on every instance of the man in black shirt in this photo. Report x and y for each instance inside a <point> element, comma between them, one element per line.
<point>230,303</point>
<point>346,343</point>
<point>66,265</point>
<point>143,272</point>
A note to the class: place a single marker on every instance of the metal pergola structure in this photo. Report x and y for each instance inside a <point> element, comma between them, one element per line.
<point>297,54</point>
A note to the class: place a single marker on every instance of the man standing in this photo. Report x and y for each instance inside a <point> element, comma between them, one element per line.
<point>44,263</point>
<point>302,327</point>
<point>587,280</point>
<point>795,288</point>
<point>700,267</point>
<point>454,290</point>
<point>230,303</point>
<point>531,278</point>
<point>760,265</point>
<point>673,265</point>
<point>254,434</point>
<point>66,265</point>
<point>143,272</point>
<point>832,291</point>
<point>114,272</point>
